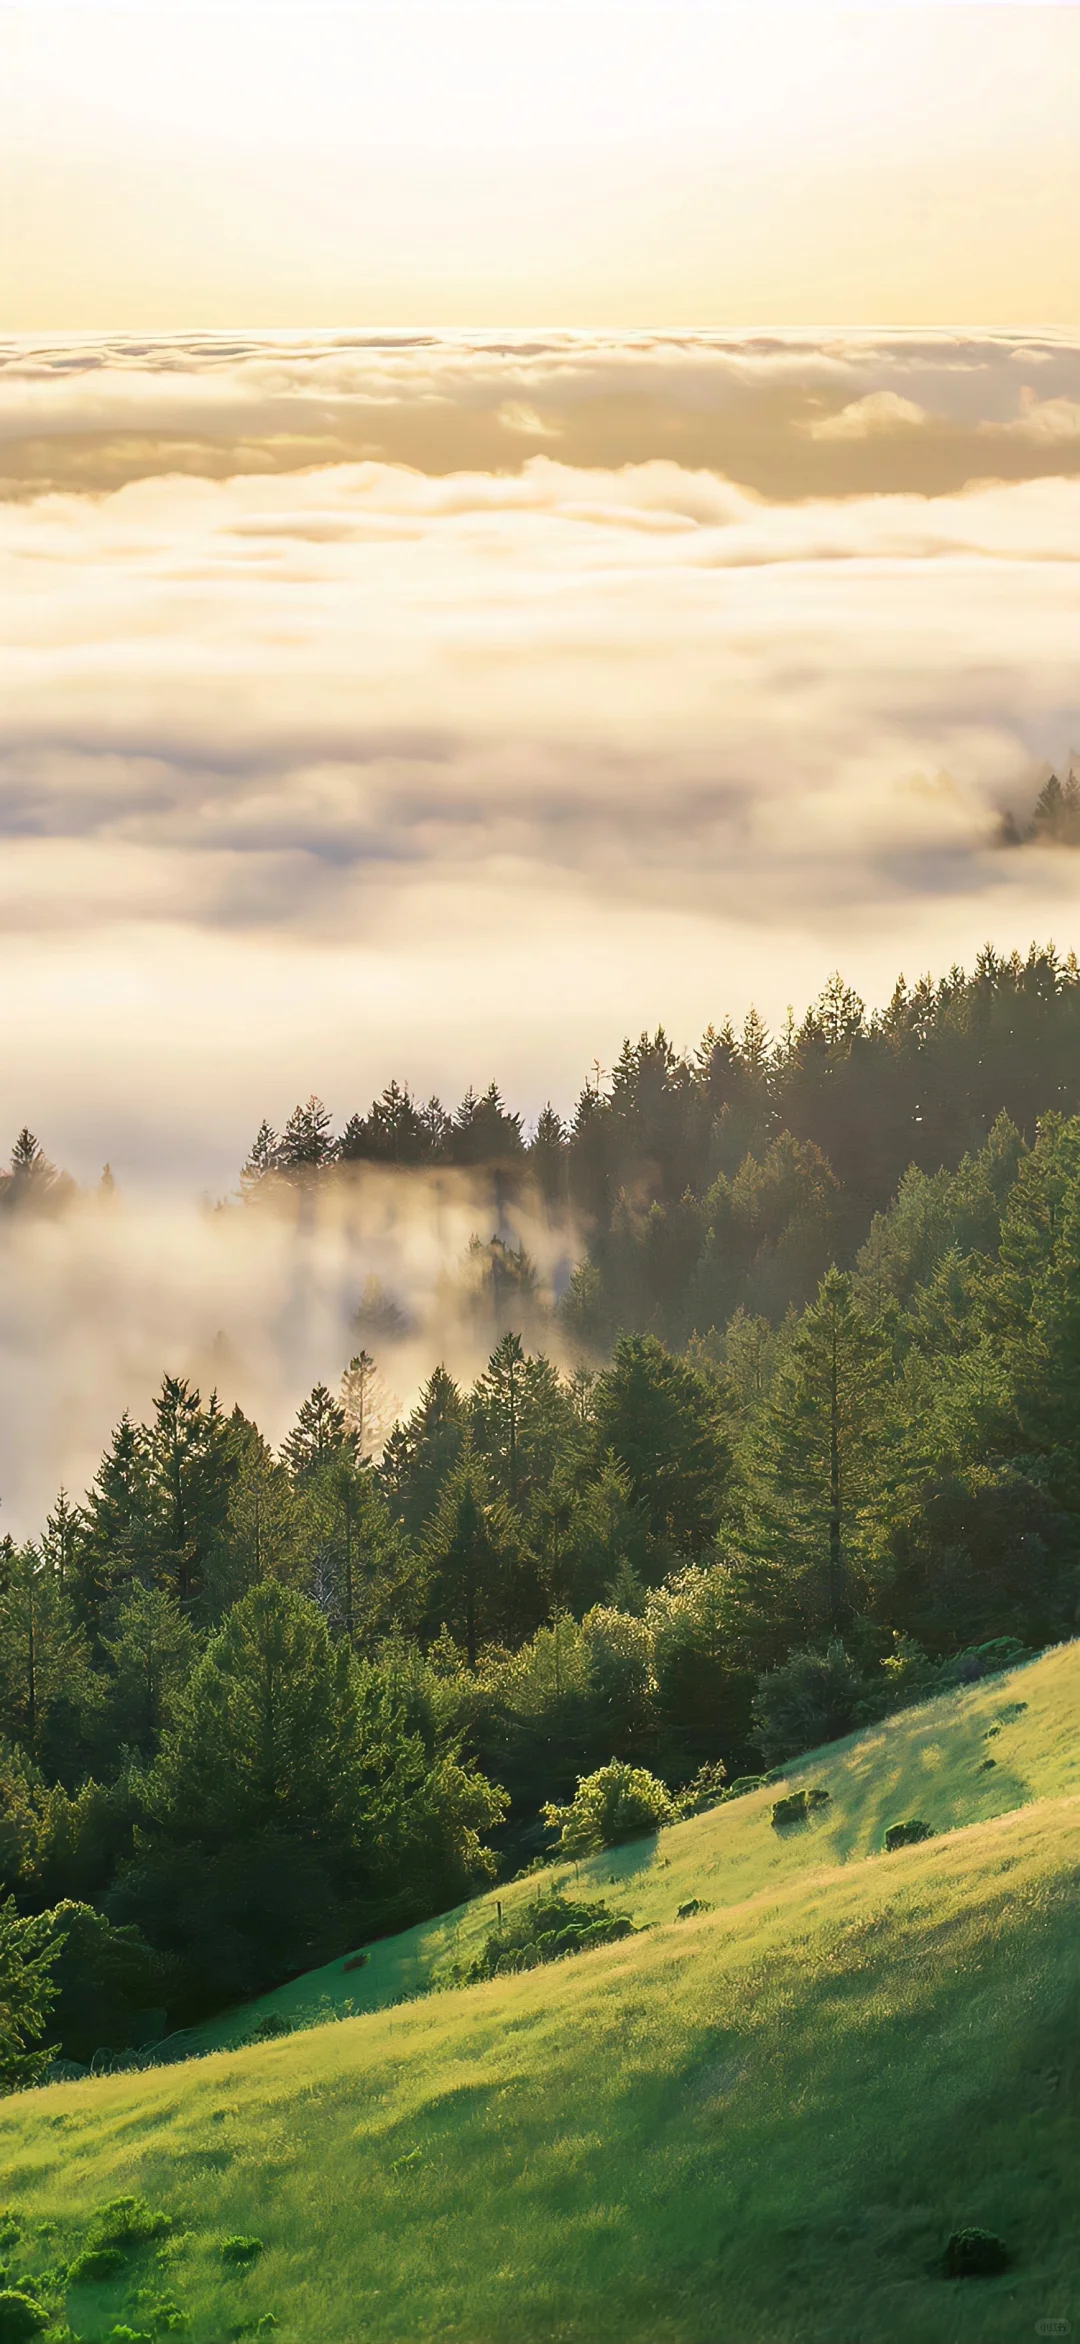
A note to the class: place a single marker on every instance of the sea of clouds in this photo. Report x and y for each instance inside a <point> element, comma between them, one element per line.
<point>450,706</point>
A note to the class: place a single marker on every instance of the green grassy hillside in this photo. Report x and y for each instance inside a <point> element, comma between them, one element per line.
<point>756,2126</point>
<point>931,1762</point>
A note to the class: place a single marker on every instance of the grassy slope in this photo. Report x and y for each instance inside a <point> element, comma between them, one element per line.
<point>923,1762</point>
<point>754,2127</point>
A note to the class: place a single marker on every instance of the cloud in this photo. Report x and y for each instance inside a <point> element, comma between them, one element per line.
<point>765,409</point>
<point>879,413</point>
<point>1046,423</point>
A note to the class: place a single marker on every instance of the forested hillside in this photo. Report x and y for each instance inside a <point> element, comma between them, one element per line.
<point>817,1459</point>
<point>736,1174</point>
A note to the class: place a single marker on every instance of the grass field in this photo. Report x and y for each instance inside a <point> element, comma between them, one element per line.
<point>756,2126</point>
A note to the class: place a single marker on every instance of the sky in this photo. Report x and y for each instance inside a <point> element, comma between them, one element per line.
<point>517,525</point>
<point>508,162</point>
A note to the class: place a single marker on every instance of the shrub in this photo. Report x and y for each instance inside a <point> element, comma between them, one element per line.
<point>975,2254</point>
<point>744,1783</point>
<point>96,2262</point>
<point>694,1904</point>
<point>126,2223</point>
<point>798,1807</point>
<point>705,1791</point>
<point>907,1835</point>
<point>982,1660</point>
<point>618,1802</point>
<point>241,2250</point>
<point>270,2026</point>
<point>547,1930</point>
<point>20,2317</point>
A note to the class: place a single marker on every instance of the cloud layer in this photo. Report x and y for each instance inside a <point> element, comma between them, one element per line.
<point>789,415</point>
<point>447,707</point>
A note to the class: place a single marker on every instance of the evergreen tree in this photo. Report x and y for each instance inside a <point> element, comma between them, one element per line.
<point>472,1562</point>
<point>116,1542</point>
<point>548,1158</point>
<point>61,1543</point>
<point>33,1184</point>
<point>263,1536</point>
<point>658,1417</point>
<point>265,1731</point>
<point>307,1142</point>
<point>320,1432</point>
<point>497,1403</point>
<point>264,1158</point>
<point>421,1454</point>
<point>151,1655</point>
<point>817,1461</point>
<point>485,1131</point>
<point>28,1951</point>
<point>192,1467</point>
<point>367,1404</point>
<point>48,1691</point>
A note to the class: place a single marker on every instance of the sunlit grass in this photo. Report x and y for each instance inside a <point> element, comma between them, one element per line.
<point>756,2126</point>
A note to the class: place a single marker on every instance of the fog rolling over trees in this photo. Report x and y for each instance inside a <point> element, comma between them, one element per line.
<point>681,1190</point>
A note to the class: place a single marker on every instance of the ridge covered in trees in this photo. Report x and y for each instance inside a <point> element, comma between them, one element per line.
<point>258,1706</point>
<point>737,1172</point>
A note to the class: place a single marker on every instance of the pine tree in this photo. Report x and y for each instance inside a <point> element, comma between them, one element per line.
<point>264,1534</point>
<point>265,1732</point>
<point>367,1404</point>
<point>48,1691</point>
<point>320,1432</point>
<point>421,1454</point>
<point>263,1158</point>
<point>548,1158</point>
<point>659,1418</point>
<point>28,1950</point>
<point>307,1141</point>
<point>61,1542</point>
<point>151,1655</point>
<point>469,1558</point>
<point>818,1457</point>
<point>192,1468</point>
<point>497,1401</point>
<point>117,1538</point>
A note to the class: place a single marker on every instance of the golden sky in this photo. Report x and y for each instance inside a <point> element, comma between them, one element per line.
<point>575,162</point>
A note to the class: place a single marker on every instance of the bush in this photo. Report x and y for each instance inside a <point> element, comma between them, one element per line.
<point>117,2230</point>
<point>744,1783</point>
<point>547,1930</point>
<point>976,2254</point>
<point>241,2250</point>
<point>815,1697</point>
<point>127,2222</point>
<point>616,1803</point>
<point>982,1660</point>
<point>20,2317</point>
<point>705,1791</point>
<point>270,2026</point>
<point>907,1835</point>
<point>798,1807</point>
<point>96,2262</point>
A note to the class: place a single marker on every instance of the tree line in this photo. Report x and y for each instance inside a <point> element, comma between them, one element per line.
<point>735,1173</point>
